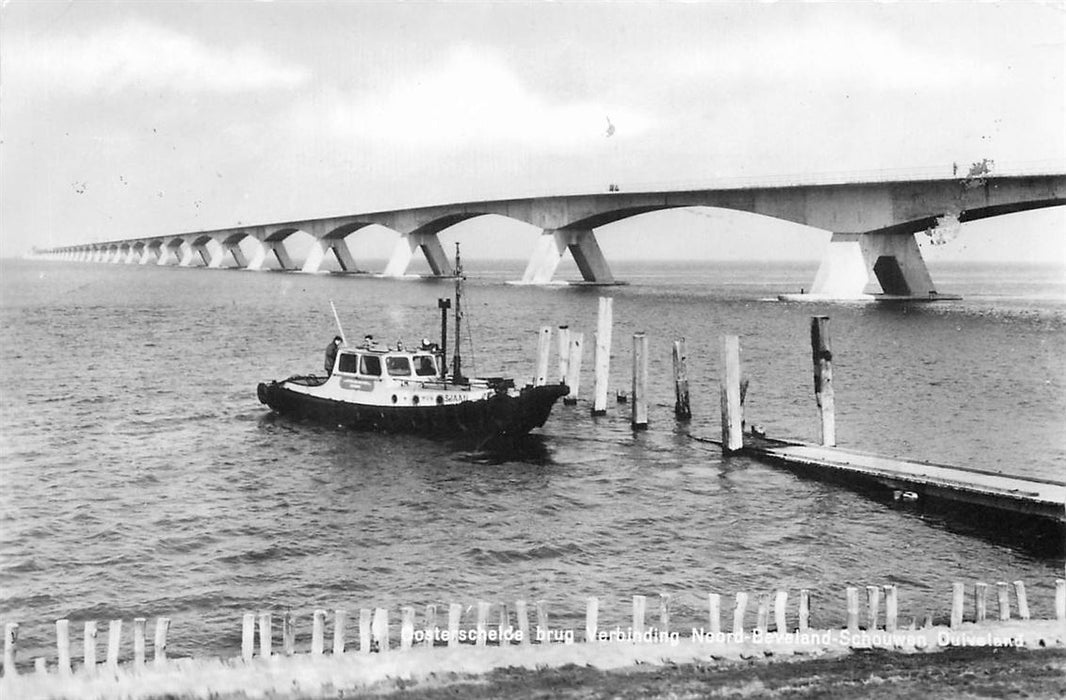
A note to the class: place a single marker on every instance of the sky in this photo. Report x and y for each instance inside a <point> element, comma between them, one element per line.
<point>124,119</point>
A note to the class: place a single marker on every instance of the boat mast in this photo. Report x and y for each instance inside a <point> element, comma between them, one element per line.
<point>444,305</point>
<point>457,372</point>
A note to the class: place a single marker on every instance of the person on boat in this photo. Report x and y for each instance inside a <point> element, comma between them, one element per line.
<point>368,341</point>
<point>331,353</point>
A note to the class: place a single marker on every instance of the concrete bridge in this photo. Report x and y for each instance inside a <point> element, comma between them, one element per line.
<point>873,225</point>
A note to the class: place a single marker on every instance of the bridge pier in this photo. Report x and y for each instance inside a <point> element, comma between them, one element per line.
<point>405,249</point>
<point>232,246</point>
<point>151,252</point>
<point>170,253</point>
<point>188,255</point>
<point>210,251</point>
<point>315,256</point>
<point>549,251</point>
<point>281,253</point>
<point>856,264</point>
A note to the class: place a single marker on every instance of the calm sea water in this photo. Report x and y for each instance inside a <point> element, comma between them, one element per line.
<point>140,476</point>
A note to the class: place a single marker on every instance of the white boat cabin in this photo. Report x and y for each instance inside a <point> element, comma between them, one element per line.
<point>380,376</point>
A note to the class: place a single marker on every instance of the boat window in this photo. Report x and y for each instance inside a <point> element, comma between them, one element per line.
<point>398,366</point>
<point>370,365</point>
<point>348,363</point>
<point>425,366</point>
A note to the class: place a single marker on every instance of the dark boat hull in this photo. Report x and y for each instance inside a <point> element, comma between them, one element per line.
<point>500,416</point>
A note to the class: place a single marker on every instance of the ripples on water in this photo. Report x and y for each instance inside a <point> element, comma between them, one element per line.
<point>141,476</point>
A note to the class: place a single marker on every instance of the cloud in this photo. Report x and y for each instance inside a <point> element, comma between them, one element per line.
<point>140,55</point>
<point>842,53</point>
<point>470,97</point>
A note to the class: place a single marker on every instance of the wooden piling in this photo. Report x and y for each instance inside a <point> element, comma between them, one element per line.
<point>980,601</point>
<point>853,608</point>
<point>318,633</point>
<point>958,600</point>
<point>592,611</point>
<point>682,407</point>
<point>873,606</point>
<point>247,638</point>
<point>639,420</point>
<point>89,646</point>
<point>1060,599</point>
<point>63,646</point>
<point>544,346</point>
<point>523,621</point>
<point>339,618</point>
<point>822,356</point>
<point>162,624</point>
<point>781,611</point>
<point>732,418</point>
<point>603,356</point>
<point>1004,600</point>
<point>564,353</point>
<point>639,606</point>
<point>288,634</point>
<point>40,666</point>
<point>714,612</point>
<point>664,613</point>
<point>1023,603</point>
<point>455,612</point>
<point>762,613</point>
<point>138,642</point>
<point>505,624</point>
<point>364,630</point>
<point>407,628</point>
<point>573,376</point>
<point>738,613</point>
<point>380,628</point>
<point>266,636</point>
<point>542,622</point>
<point>482,624</point>
<point>114,642</point>
<point>891,608</point>
<point>11,637</point>
<point>431,626</point>
<point>803,622</point>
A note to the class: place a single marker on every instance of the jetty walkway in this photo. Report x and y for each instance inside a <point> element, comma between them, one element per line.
<point>906,478</point>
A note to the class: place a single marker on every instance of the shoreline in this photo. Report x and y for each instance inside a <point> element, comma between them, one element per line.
<point>307,675</point>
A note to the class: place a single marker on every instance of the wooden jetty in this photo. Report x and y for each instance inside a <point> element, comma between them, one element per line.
<point>1026,495</point>
<point>906,479</point>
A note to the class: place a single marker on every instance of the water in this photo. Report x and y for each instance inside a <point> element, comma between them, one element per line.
<point>141,477</point>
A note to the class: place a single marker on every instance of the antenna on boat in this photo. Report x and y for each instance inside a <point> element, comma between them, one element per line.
<point>457,373</point>
<point>338,320</point>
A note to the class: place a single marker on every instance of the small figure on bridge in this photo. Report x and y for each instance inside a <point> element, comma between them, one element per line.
<point>331,353</point>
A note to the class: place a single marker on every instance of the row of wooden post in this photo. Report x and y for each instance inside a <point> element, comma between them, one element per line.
<point>114,641</point>
<point>570,348</point>
<point>373,624</point>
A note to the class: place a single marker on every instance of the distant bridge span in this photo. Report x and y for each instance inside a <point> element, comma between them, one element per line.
<point>873,226</point>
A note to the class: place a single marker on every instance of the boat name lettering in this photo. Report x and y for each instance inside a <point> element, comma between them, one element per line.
<point>357,384</point>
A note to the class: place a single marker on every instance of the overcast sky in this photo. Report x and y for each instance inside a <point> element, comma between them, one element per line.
<point>142,118</point>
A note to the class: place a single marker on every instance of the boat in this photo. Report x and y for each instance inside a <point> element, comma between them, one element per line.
<point>400,390</point>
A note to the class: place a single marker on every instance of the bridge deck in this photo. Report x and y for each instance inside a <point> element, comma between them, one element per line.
<point>1027,495</point>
